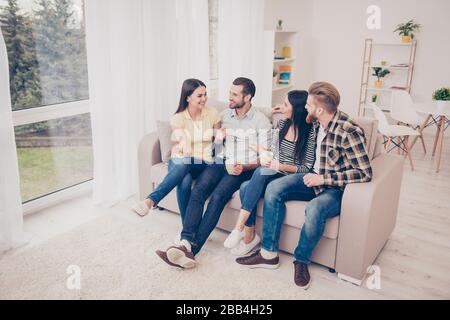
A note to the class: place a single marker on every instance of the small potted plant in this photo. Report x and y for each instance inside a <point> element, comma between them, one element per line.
<point>379,73</point>
<point>406,30</point>
<point>442,97</point>
<point>274,78</point>
<point>374,98</point>
<point>280,25</point>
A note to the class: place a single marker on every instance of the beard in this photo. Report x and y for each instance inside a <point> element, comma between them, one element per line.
<point>310,118</point>
<point>237,105</point>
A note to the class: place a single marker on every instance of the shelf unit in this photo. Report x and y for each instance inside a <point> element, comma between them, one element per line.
<point>405,72</point>
<point>274,41</point>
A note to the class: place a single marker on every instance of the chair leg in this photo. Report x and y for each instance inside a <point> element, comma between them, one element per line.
<point>423,143</point>
<point>408,153</point>
<point>386,145</point>
<point>438,127</point>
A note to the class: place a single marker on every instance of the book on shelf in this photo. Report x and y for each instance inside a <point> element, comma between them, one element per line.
<point>400,65</point>
<point>285,74</point>
<point>399,87</point>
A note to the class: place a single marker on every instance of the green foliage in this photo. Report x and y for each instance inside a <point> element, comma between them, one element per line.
<point>442,94</point>
<point>380,72</point>
<point>408,28</point>
<point>47,61</point>
<point>23,66</point>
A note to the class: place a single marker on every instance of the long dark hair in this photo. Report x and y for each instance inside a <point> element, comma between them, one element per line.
<point>297,98</point>
<point>189,86</point>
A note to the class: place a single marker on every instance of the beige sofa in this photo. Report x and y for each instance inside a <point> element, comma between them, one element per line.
<point>350,243</point>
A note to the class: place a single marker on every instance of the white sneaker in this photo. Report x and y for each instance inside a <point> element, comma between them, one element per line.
<point>233,239</point>
<point>141,208</point>
<point>244,248</point>
<point>177,240</point>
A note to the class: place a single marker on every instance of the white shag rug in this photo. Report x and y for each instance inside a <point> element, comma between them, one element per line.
<point>115,254</point>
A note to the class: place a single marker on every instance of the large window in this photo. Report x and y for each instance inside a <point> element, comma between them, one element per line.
<point>45,40</point>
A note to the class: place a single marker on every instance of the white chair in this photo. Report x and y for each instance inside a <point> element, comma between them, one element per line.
<point>402,111</point>
<point>397,134</point>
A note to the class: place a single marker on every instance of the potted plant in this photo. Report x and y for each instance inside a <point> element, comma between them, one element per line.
<point>374,98</point>
<point>442,97</point>
<point>406,30</point>
<point>379,73</point>
<point>274,78</point>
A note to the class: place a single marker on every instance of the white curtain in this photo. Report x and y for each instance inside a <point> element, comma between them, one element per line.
<point>241,44</point>
<point>139,52</point>
<point>11,219</point>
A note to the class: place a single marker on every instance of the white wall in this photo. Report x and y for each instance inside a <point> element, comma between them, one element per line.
<point>297,16</point>
<point>335,33</point>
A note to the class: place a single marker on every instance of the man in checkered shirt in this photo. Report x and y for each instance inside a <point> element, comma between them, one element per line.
<point>341,158</point>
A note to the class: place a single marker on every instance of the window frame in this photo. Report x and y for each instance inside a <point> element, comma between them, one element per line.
<point>45,113</point>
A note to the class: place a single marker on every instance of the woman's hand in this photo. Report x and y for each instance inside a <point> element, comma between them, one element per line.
<point>274,165</point>
<point>276,109</point>
<point>234,169</point>
<point>220,136</point>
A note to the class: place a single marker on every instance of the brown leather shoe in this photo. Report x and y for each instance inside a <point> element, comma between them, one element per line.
<point>256,260</point>
<point>180,255</point>
<point>301,275</point>
<point>163,256</point>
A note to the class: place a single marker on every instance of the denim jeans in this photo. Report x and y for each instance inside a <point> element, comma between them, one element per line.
<point>320,208</point>
<point>180,174</point>
<point>214,181</point>
<point>251,191</point>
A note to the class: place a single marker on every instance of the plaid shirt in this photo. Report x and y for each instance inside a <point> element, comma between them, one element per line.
<point>343,156</point>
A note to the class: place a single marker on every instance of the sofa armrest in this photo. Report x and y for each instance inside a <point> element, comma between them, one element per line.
<point>368,216</point>
<point>149,154</point>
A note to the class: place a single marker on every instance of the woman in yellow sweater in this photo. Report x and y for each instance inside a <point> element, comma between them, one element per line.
<point>193,126</point>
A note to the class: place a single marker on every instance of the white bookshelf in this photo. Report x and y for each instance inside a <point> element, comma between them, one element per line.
<point>398,58</point>
<point>274,42</point>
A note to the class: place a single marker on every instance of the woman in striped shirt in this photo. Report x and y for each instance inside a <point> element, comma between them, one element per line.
<point>291,151</point>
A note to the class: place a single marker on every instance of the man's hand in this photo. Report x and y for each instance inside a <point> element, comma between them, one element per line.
<point>234,169</point>
<point>313,180</point>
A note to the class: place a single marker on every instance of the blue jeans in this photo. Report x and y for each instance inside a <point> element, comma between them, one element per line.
<point>214,181</point>
<point>251,191</point>
<point>180,174</point>
<point>320,208</point>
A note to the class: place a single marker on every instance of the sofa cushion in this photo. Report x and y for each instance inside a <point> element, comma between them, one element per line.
<point>370,127</point>
<point>295,213</point>
<point>164,134</point>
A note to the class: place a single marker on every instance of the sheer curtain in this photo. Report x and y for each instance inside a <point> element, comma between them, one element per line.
<point>139,52</point>
<point>241,44</point>
<point>11,219</point>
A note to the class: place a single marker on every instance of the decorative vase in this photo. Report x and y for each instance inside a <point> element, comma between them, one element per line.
<point>406,39</point>
<point>442,104</point>
<point>378,84</point>
<point>287,52</point>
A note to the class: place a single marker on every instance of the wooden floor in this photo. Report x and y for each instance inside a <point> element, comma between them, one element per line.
<point>415,263</point>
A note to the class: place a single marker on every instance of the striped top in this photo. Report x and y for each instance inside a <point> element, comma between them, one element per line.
<point>284,151</point>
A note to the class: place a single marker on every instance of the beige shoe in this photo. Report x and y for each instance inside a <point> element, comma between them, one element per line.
<point>181,256</point>
<point>141,208</point>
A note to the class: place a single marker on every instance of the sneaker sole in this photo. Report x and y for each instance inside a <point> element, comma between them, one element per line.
<point>262,266</point>
<point>305,287</point>
<point>246,253</point>
<point>178,257</point>
<point>138,213</point>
